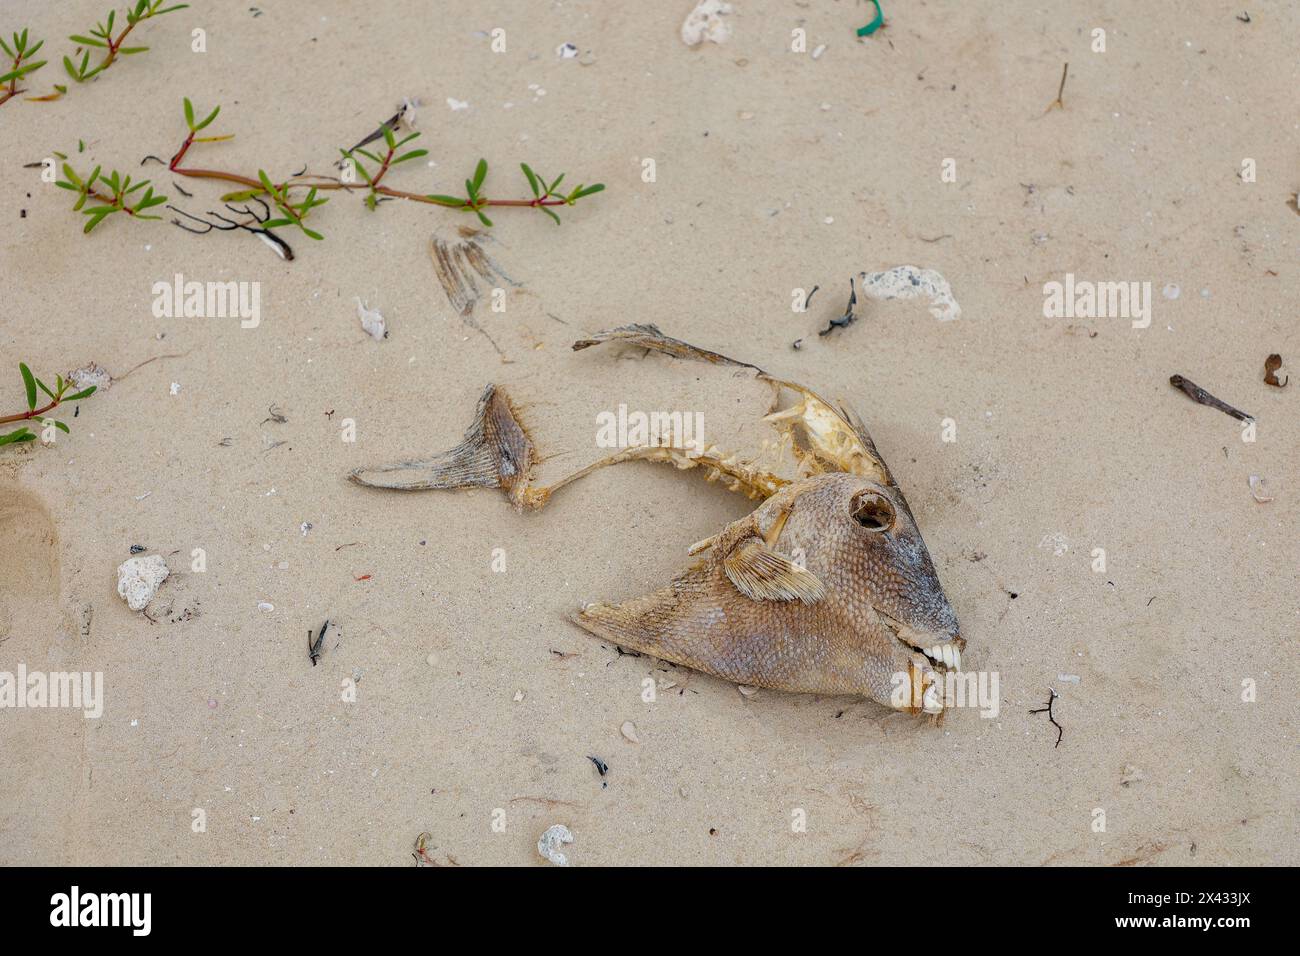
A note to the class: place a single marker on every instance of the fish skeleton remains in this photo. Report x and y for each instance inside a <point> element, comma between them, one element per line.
<point>826,587</point>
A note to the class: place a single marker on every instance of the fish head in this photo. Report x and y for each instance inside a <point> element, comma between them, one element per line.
<point>859,537</point>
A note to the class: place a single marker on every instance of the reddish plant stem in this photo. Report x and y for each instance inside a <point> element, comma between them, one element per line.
<point>114,46</point>
<point>34,413</point>
<point>326,183</point>
<point>13,90</point>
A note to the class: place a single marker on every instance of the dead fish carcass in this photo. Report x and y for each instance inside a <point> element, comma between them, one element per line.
<point>826,587</point>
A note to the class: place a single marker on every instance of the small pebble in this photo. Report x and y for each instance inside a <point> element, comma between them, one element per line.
<point>629,731</point>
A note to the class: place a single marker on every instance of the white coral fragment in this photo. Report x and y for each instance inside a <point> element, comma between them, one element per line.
<point>706,22</point>
<point>909,282</point>
<point>549,844</point>
<point>372,322</point>
<point>138,580</point>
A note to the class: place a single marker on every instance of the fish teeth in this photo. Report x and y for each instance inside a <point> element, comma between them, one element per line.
<point>948,654</point>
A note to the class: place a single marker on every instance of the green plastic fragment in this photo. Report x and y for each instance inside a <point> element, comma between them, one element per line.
<point>876,23</point>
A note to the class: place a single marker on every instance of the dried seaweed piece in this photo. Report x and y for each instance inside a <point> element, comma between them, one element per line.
<point>1202,397</point>
<point>849,316</point>
<point>1271,365</point>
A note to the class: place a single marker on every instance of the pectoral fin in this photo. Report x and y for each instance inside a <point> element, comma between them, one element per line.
<point>763,574</point>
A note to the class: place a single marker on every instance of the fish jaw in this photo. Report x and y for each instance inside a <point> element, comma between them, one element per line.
<point>941,647</point>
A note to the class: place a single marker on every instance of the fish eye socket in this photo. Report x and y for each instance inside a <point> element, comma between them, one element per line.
<point>873,511</point>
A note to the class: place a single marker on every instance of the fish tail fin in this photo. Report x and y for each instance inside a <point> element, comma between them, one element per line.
<point>496,452</point>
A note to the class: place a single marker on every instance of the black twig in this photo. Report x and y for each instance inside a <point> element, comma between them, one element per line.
<point>315,650</point>
<point>1060,731</point>
<point>225,224</point>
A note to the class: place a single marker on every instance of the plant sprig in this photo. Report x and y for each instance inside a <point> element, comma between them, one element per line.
<point>372,180</point>
<point>294,214</point>
<point>384,164</point>
<point>119,188</point>
<point>101,38</point>
<point>22,64</point>
<point>58,396</point>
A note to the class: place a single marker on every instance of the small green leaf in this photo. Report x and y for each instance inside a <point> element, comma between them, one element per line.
<point>413,154</point>
<point>29,381</point>
<point>211,116</point>
<point>21,434</point>
<point>242,195</point>
<point>276,223</point>
<point>480,173</point>
<point>84,393</point>
<point>189,113</point>
<point>532,180</point>
<point>482,218</point>
<point>5,46</point>
<point>88,41</point>
<point>22,71</point>
<point>313,235</point>
<point>388,137</point>
<point>44,388</point>
<point>588,190</point>
<point>128,50</point>
<point>446,200</point>
<point>551,213</point>
<point>97,215</point>
<point>59,425</point>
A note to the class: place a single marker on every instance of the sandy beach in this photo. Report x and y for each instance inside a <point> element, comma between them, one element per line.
<point>1096,531</point>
